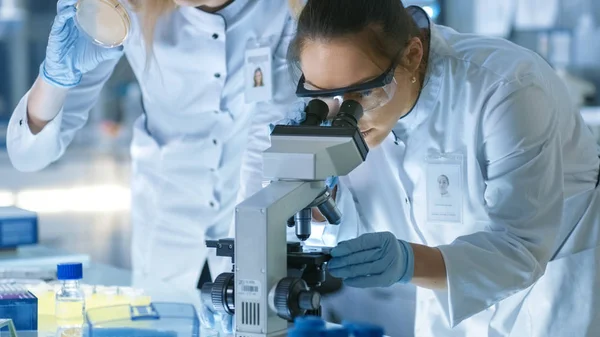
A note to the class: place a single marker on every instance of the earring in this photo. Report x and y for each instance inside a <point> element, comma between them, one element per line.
<point>414,80</point>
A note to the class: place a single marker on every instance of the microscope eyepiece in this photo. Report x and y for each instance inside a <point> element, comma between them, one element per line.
<point>350,112</point>
<point>316,112</point>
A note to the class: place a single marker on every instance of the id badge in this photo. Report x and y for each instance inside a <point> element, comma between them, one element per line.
<point>258,69</point>
<point>445,188</point>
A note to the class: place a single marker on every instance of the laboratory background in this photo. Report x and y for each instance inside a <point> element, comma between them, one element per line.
<point>83,200</point>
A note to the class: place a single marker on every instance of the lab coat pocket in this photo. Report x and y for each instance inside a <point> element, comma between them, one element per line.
<point>565,301</point>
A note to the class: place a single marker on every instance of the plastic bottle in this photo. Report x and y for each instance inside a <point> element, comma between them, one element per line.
<point>70,300</point>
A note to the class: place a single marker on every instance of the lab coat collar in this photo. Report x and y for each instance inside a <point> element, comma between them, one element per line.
<point>211,20</point>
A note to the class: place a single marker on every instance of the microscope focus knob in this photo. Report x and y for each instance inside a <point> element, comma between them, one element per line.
<point>309,300</point>
<point>292,298</point>
<point>220,294</point>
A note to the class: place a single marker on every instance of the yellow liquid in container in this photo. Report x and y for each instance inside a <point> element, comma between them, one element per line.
<point>95,297</point>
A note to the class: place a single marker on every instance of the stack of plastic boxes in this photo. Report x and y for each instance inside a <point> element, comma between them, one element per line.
<point>19,305</point>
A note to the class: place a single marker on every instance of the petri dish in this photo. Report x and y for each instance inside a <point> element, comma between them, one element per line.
<point>105,22</point>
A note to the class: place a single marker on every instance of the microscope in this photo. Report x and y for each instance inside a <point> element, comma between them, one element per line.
<point>274,281</point>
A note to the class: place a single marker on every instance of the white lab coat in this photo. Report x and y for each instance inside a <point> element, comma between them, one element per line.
<point>194,136</point>
<point>525,259</point>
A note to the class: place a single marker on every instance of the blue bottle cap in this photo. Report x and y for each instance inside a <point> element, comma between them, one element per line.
<point>309,322</point>
<point>69,271</point>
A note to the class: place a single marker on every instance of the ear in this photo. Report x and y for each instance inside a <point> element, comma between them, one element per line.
<point>413,55</point>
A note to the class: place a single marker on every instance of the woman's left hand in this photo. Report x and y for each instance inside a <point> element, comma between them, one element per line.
<point>372,260</point>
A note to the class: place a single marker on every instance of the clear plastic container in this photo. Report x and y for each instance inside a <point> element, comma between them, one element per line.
<point>156,319</point>
<point>106,22</point>
<point>70,301</point>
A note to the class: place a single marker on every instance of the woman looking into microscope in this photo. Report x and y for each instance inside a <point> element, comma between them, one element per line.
<point>515,251</point>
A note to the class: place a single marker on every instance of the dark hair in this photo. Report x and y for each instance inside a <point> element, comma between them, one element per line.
<point>388,23</point>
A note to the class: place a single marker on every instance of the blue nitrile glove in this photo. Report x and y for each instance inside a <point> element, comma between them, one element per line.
<point>208,317</point>
<point>295,116</point>
<point>69,53</point>
<point>373,260</point>
<point>332,182</point>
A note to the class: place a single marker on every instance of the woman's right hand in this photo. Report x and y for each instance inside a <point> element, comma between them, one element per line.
<point>70,54</point>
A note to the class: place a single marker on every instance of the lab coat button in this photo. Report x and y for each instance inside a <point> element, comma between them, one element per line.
<point>21,122</point>
<point>215,36</point>
<point>217,75</point>
<point>215,141</point>
<point>212,204</point>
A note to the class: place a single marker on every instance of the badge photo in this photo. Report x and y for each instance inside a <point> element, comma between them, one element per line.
<point>258,75</point>
<point>444,190</point>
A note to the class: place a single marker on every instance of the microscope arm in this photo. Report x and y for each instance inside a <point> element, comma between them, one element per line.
<point>261,250</point>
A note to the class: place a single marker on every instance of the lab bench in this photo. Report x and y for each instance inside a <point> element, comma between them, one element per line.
<point>42,257</point>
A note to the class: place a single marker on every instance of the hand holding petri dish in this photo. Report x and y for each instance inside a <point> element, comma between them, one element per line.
<point>105,22</point>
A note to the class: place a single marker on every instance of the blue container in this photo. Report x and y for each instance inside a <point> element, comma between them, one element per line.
<point>364,330</point>
<point>18,227</point>
<point>309,322</point>
<point>154,320</point>
<point>19,305</point>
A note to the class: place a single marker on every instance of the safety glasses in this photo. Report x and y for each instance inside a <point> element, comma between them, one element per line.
<point>371,95</point>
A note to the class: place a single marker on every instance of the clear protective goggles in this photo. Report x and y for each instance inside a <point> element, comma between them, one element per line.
<point>370,95</point>
<point>105,22</point>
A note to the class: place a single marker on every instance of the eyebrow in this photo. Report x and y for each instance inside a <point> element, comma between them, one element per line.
<point>361,81</point>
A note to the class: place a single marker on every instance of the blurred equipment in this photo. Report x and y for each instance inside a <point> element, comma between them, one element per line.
<point>261,292</point>
<point>557,46</point>
<point>18,227</point>
<point>493,17</point>
<point>433,8</point>
<point>106,22</point>
<point>11,17</point>
<point>19,305</point>
<point>536,14</point>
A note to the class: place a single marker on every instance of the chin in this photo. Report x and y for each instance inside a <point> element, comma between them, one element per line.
<point>373,140</point>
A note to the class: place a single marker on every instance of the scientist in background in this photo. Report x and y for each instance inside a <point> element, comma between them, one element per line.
<point>517,252</point>
<point>198,137</point>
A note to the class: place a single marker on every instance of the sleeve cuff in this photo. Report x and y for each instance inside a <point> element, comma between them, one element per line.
<point>469,289</point>
<point>29,152</point>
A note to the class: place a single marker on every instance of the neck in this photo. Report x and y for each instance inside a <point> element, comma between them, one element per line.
<point>210,8</point>
<point>420,76</point>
